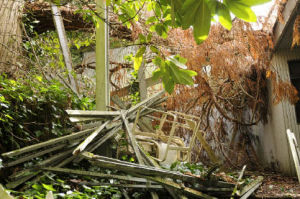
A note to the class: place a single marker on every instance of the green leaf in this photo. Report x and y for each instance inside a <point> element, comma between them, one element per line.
<point>161,30</point>
<point>142,38</point>
<point>202,22</point>
<point>224,16</point>
<point>254,2</point>
<point>108,2</point>
<point>156,74</point>
<point>241,10</point>
<point>158,61</point>
<point>168,83</point>
<point>190,11</point>
<point>174,72</point>
<point>212,5</point>
<point>154,49</point>
<point>186,76</point>
<point>48,187</point>
<point>139,58</point>
<point>181,76</point>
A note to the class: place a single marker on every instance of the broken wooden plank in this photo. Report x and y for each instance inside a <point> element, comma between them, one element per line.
<point>49,195</point>
<point>80,113</point>
<point>147,102</point>
<point>180,188</point>
<point>251,187</point>
<point>132,139</point>
<point>235,190</point>
<point>84,119</point>
<point>93,174</point>
<point>138,169</point>
<point>48,143</point>
<point>24,159</point>
<point>4,194</point>
<point>294,149</point>
<point>133,186</point>
<point>59,25</point>
<point>90,138</point>
<point>103,139</point>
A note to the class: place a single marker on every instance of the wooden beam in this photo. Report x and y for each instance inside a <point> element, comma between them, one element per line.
<point>26,158</point>
<point>89,139</point>
<point>93,174</point>
<point>80,113</point>
<point>66,138</point>
<point>59,25</point>
<point>138,169</point>
<point>102,83</point>
<point>290,9</point>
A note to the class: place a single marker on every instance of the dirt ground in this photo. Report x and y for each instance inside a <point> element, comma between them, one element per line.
<point>278,186</point>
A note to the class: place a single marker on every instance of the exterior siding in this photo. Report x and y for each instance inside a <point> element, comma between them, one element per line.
<point>282,116</point>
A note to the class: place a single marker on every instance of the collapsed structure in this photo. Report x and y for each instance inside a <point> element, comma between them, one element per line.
<point>147,172</point>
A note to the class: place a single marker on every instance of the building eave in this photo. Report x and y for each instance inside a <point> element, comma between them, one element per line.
<point>289,12</point>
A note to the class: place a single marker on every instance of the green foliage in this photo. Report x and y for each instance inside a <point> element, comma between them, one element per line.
<point>185,14</point>
<point>63,189</point>
<point>33,110</point>
<point>196,169</point>
<point>47,48</point>
<point>172,72</point>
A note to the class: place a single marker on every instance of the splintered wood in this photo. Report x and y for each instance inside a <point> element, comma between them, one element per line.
<point>145,174</point>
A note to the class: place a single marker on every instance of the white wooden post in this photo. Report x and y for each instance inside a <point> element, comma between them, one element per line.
<point>59,25</point>
<point>295,150</point>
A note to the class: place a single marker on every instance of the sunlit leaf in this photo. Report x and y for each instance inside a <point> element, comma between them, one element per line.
<point>241,10</point>
<point>202,22</point>
<point>224,16</point>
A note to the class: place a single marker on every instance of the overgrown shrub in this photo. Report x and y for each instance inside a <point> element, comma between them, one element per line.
<point>33,110</point>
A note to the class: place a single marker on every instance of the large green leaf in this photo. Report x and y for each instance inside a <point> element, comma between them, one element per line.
<point>168,83</point>
<point>202,22</point>
<point>156,75</point>
<point>241,10</point>
<point>190,11</point>
<point>254,2</point>
<point>138,58</point>
<point>224,16</point>
<point>212,5</point>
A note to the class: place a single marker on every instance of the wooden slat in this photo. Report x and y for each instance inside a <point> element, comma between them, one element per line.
<point>47,143</point>
<point>93,174</point>
<point>80,113</point>
<point>90,138</point>
<point>24,159</point>
<point>138,169</point>
<point>294,149</point>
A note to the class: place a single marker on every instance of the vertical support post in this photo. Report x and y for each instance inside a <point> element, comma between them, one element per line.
<point>142,81</point>
<point>102,87</point>
<point>59,25</point>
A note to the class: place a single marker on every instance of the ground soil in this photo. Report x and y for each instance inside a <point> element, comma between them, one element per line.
<point>278,186</point>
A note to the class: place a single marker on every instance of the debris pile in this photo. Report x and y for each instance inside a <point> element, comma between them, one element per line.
<point>147,173</point>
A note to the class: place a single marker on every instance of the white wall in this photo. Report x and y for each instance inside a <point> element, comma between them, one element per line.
<point>274,148</point>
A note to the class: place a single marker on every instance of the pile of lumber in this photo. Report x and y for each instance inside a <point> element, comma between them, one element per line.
<point>104,125</point>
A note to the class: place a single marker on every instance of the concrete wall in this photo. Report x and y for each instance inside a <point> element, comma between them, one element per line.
<point>274,148</point>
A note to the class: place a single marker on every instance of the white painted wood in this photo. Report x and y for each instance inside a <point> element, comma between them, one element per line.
<point>4,194</point>
<point>80,113</point>
<point>49,195</point>
<point>294,149</point>
<point>59,25</point>
<point>274,146</point>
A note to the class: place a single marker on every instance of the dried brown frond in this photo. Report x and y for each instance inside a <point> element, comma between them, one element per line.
<point>296,32</point>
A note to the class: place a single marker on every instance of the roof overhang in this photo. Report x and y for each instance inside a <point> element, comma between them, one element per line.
<point>283,32</point>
